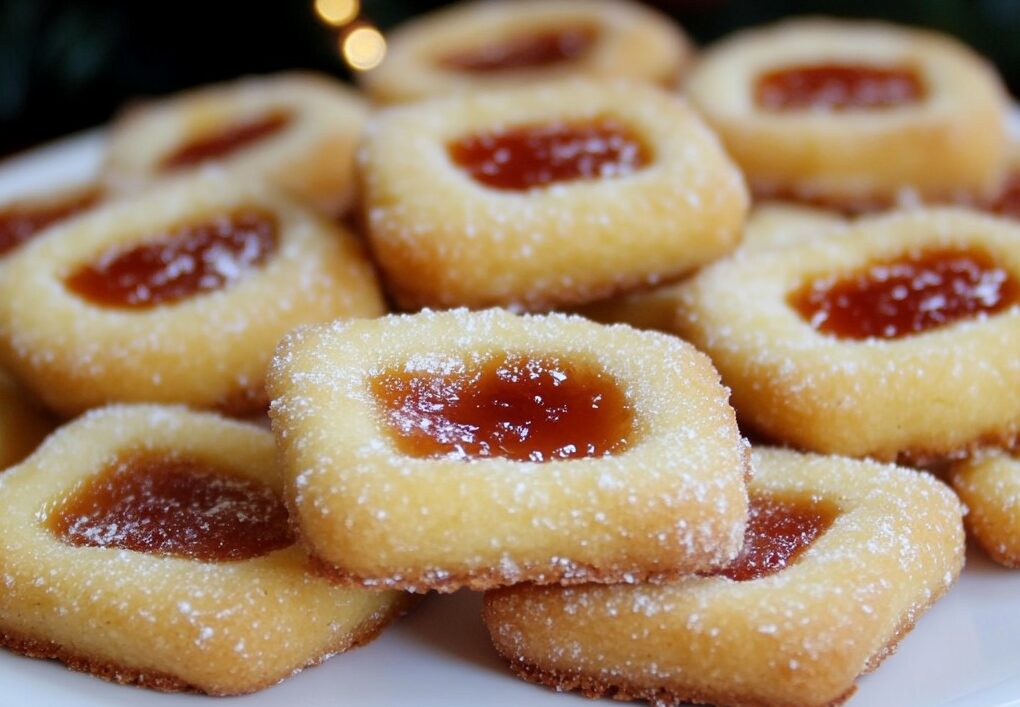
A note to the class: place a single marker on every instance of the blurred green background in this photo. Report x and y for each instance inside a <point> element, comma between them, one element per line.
<point>65,66</point>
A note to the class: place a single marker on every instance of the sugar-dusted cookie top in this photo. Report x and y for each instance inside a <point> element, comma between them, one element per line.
<point>440,450</point>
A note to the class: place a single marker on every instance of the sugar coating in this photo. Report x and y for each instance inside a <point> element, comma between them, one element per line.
<point>208,350</point>
<point>770,225</point>
<point>989,485</point>
<point>856,155</point>
<point>444,240</point>
<point>630,41</point>
<point>217,627</point>
<point>673,501</point>
<point>919,397</point>
<point>798,637</point>
<point>311,157</point>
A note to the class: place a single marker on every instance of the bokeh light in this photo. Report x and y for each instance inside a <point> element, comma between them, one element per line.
<point>337,12</point>
<point>363,48</point>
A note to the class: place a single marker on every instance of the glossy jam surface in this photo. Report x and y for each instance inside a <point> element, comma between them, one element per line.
<point>182,262</point>
<point>176,507</point>
<point>776,535</point>
<point>531,51</point>
<point>515,407</point>
<point>20,223</point>
<point>224,142</point>
<point>838,87</point>
<point>910,295</point>
<point>529,156</point>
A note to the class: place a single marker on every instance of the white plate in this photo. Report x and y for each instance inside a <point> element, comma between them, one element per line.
<point>965,652</point>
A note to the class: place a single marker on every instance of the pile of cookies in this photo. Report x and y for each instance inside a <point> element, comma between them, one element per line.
<point>511,333</point>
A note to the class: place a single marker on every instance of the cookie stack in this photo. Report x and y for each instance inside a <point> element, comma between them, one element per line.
<point>512,333</point>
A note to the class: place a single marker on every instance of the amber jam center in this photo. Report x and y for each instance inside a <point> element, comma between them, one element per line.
<point>20,223</point>
<point>185,261</point>
<point>535,50</point>
<point>176,507</point>
<point>515,407</point>
<point>221,143</point>
<point>777,533</point>
<point>530,156</point>
<point>838,87</point>
<point>910,295</point>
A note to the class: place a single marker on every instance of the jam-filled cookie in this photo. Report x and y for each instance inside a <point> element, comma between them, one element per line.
<point>485,44</point>
<point>299,131</point>
<point>149,545</point>
<point>24,218</point>
<point>443,450</point>
<point>895,338</point>
<point>179,295</point>
<point>854,111</point>
<point>840,560</point>
<point>989,485</point>
<point>770,225</point>
<point>22,424</point>
<point>546,195</point>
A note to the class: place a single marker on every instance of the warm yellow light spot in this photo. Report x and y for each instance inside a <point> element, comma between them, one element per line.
<point>363,48</point>
<point>337,12</point>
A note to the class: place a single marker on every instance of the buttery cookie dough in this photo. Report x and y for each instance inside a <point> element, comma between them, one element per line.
<point>296,130</point>
<point>989,485</point>
<point>873,547</point>
<point>148,545</point>
<point>545,196</point>
<point>479,45</point>
<point>843,112</point>
<point>178,295</point>
<point>458,449</point>
<point>770,225</point>
<point>895,338</point>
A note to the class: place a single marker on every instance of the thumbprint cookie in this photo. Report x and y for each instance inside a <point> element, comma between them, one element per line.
<point>149,545</point>
<point>179,295</point>
<point>854,111</point>
<point>298,131</point>
<point>989,485</point>
<point>895,338</point>
<point>24,218</point>
<point>770,225</point>
<point>22,424</point>
<point>840,560</point>
<point>458,449</point>
<point>545,196</point>
<point>498,44</point>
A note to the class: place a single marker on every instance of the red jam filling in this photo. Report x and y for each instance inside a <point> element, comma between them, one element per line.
<point>838,87</point>
<point>777,533</point>
<point>536,50</point>
<point>176,507</point>
<point>516,407</point>
<point>222,143</point>
<point>531,156</point>
<point>910,295</point>
<point>186,260</point>
<point>20,223</point>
